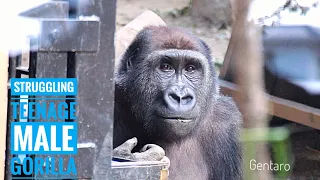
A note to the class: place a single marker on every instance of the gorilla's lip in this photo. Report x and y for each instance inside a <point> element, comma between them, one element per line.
<point>176,117</point>
<point>180,119</point>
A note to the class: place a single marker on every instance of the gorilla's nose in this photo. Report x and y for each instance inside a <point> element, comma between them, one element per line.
<point>179,100</point>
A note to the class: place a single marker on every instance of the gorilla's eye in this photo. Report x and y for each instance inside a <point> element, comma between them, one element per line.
<point>165,67</point>
<point>190,68</point>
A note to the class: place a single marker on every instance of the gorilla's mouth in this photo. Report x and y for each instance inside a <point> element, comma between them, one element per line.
<point>184,120</point>
<point>179,119</point>
<point>175,118</point>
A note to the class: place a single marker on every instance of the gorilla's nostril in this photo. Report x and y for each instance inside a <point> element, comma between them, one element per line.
<point>174,97</point>
<point>186,99</point>
<point>179,100</point>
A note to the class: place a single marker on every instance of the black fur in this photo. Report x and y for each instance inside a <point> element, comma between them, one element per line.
<point>211,150</point>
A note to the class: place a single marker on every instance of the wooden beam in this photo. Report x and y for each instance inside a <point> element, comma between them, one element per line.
<point>286,109</point>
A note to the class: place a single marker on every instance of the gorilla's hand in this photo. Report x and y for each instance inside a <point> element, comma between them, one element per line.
<point>149,152</point>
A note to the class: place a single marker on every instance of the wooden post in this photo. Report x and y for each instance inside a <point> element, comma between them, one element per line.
<point>252,100</point>
<point>4,59</point>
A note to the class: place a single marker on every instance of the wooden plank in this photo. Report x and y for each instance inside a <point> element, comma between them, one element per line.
<point>282,108</point>
<point>4,60</point>
<point>295,112</point>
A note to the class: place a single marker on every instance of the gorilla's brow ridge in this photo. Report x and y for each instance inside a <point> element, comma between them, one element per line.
<point>178,53</point>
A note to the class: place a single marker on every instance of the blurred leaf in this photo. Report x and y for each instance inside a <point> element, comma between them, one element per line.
<point>278,138</point>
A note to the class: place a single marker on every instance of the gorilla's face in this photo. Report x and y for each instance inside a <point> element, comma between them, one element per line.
<point>169,88</point>
<point>178,74</point>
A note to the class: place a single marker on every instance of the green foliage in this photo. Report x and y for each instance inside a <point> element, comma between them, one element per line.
<point>277,138</point>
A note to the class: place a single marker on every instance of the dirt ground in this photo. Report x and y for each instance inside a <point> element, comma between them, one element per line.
<point>305,141</point>
<point>167,10</point>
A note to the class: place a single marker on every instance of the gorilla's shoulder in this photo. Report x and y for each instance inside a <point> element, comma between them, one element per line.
<point>228,109</point>
<point>227,101</point>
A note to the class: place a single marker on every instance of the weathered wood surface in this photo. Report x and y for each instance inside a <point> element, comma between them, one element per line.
<point>282,108</point>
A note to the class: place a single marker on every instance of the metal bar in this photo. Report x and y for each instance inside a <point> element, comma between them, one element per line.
<point>51,9</point>
<point>52,65</point>
<point>96,91</point>
<point>12,73</point>
<point>32,64</point>
<point>59,35</point>
<point>22,70</point>
<point>85,161</point>
<point>46,64</point>
<point>12,67</point>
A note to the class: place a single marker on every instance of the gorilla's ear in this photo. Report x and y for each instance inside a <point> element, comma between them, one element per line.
<point>206,49</point>
<point>129,56</point>
<point>129,64</point>
<point>205,45</point>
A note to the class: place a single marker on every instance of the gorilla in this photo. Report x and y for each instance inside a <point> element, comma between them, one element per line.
<point>167,98</point>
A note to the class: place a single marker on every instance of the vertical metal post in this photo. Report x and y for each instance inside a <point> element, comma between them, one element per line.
<point>96,89</point>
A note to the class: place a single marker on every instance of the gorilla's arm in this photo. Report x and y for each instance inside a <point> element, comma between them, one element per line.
<point>125,146</point>
<point>229,123</point>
